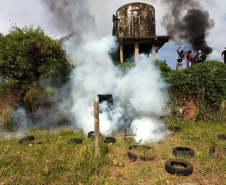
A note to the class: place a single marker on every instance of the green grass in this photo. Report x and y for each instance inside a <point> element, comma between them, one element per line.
<point>55,161</point>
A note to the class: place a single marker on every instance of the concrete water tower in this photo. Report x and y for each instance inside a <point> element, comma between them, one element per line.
<point>136,31</point>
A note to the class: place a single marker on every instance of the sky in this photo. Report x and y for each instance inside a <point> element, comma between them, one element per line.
<point>34,12</point>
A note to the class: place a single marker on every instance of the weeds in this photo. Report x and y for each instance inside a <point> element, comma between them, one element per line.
<point>54,161</point>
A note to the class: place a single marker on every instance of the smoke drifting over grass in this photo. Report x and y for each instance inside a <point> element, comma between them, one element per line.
<point>138,95</point>
<point>186,21</point>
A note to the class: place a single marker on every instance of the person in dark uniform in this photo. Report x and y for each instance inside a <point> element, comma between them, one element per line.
<point>223,55</point>
<point>199,57</point>
<point>115,25</point>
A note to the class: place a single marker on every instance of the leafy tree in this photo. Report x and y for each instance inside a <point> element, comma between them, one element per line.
<point>26,56</point>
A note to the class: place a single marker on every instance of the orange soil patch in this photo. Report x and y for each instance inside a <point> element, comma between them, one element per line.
<point>190,109</point>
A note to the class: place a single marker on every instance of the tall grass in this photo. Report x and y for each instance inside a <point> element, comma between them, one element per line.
<point>55,161</point>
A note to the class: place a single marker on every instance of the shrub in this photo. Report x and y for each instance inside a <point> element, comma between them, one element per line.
<point>27,55</point>
<point>204,83</point>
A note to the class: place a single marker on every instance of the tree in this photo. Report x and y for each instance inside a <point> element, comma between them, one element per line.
<point>26,56</point>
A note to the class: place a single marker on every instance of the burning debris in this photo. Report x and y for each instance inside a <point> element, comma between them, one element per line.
<point>188,22</point>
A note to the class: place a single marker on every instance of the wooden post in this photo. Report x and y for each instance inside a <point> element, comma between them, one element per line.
<point>97,129</point>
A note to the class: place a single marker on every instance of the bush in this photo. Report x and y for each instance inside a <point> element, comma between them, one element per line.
<point>26,56</point>
<point>204,83</point>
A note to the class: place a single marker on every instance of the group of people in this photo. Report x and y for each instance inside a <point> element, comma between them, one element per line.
<point>190,60</point>
<point>189,56</point>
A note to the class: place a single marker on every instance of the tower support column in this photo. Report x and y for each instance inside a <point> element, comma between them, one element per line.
<point>121,53</point>
<point>136,53</point>
<point>153,50</point>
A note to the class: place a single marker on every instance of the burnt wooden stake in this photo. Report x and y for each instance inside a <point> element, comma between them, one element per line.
<point>97,129</point>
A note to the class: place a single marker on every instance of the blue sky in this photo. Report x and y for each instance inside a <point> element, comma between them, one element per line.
<point>33,12</point>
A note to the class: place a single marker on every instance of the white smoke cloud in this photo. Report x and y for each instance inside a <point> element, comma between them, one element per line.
<point>148,130</point>
<point>139,94</point>
<point>20,122</point>
<point>20,119</point>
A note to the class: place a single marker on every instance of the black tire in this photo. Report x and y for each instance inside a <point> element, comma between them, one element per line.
<point>28,138</point>
<point>184,151</point>
<point>132,156</point>
<point>171,166</point>
<point>135,157</point>
<point>75,141</point>
<point>91,134</point>
<point>222,136</point>
<point>109,140</point>
<point>174,129</point>
<point>140,146</point>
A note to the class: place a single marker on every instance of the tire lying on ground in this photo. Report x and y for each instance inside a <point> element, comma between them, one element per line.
<point>174,128</point>
<point>28,138</point>
<point>183,151</point>
<point>222,136</point>
<point>132,156</point>
<point>178,167</point>
<point>75,141</point>
<point>109,140</point>
<point>140,146</point>
<point>91,134</point>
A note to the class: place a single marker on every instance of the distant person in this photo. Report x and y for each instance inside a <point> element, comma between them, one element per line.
<point>199,57</point>
<point>223,55</point>
<point>115,25</point>
<point>189,57</point>
<point>180,58</point>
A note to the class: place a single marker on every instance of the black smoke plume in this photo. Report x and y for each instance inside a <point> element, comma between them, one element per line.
<point>71,16</point>
<point>188,22</point>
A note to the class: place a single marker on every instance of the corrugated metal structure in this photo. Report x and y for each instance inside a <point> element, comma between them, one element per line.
<point>136,30</point>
